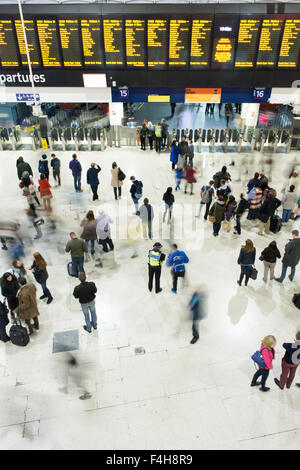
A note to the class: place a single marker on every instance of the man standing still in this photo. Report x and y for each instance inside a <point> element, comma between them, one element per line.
<point>289,363</point>
<point>85,292</point>
<point>155,261</point>
<point>76,169</point>
<point>77,247</point>
<point>291,257</point>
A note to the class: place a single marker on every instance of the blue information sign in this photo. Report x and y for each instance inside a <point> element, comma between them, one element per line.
<point>27,97</point>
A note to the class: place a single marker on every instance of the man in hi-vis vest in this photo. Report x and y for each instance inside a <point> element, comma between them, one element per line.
<point>155,261</point>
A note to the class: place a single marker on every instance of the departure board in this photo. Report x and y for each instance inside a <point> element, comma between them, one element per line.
<point>247,42</point>
<point>92,42</point>
<point>70,42</point>
<point>290,44</point>
<point>135,43</point>
<point>269,42</point>
<point>113,42</point>
<point>225,32</point>
<point>31,42</point>
<point>179,33</point>
<point>8,47</point>
<point>157,43</point>
<point>200,43</point>
<point>47,32</point>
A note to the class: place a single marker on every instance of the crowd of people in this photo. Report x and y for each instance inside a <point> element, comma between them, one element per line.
<point>217,203</point>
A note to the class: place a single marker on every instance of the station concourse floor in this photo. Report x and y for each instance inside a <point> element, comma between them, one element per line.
<point>176,395</point>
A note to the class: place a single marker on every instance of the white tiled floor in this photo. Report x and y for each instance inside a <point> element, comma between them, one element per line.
<point>177,395</point>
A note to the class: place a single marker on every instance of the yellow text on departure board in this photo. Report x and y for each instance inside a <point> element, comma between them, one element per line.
<point>48,43</point>
<point>223,52</point>
<point>7,48</point>
<point>179,30</point>
<point>201,31</point>
<point>134,32</point>
<point>90,32</point>
<point>289,49</point>
<point>29,27</point>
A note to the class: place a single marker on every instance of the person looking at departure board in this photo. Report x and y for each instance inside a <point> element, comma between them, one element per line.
<point>76,169</point>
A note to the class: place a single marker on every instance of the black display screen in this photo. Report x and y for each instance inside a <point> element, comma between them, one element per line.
<point>135,31</point>
<point>32,42</point>
<point>225,34</point>
<point>269,42</point>
<point>70,42</point>
<point>8,46</point>
<point>157,38</point>
<point>179,35</point>
<point>49,44</point>
<point>200,50</point>
<point>290,44</point>
<point>247,42</point>
<point>92,42</point>
<point>114,42</point>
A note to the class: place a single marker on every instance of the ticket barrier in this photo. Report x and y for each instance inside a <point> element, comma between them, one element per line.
<point>95,136</point>
<point>82,139</point>
<point>9,139</point>
<point>55,139</point>
<point>69,139</point>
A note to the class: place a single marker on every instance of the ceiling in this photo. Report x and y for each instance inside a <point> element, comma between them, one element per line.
<point>28,2</point>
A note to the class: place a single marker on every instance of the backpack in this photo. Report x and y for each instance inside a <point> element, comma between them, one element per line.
<point>224,192</point>
<point>296,300</point>
<point>139,191</point>
<point>121,175</point>
<point>206,195</point>
<point>258,358</point>
<point>42,166</point>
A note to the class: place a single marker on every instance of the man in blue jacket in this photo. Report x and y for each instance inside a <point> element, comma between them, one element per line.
<point>75,166</point>
<point>177,260</point>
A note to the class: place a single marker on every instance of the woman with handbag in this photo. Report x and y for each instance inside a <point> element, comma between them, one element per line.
<point>268,352</point>
<point>115,181</point>
<point>39,270</point>
<point>9,290</point>
<point>216,214</point>
<point>246,260</point>
<point>269,256</point>
<point>230,208</point>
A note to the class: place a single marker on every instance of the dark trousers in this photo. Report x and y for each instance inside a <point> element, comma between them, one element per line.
<point>95,192</point>
<point>287,374</point>
<point>108,241</point>
<point>264,374</point>
<point>164,140</point>
<point>238,224</point>
<point>175,279</point>
<point>143,143</point>
<point>158,142</point>
<point>56,176</point>
<point>3,335</point>
<point>207,204</point>
<point>116,192</point>
<point>36,324</point>
<point>195,328</point>
<point>154,271</point>
<point>151,142</point>
<point>173,165</point>
<point>216,226</point>
<point>46,290</point>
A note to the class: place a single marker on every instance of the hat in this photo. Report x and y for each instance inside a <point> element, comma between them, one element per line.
<point>157,245</point>
<point>44,156</point>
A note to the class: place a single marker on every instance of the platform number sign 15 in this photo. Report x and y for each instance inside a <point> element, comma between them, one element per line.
<point>124,93</point>
<point>259,93</point>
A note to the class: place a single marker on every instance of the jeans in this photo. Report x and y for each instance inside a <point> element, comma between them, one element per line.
<point>46,290</point>
<point>283,273</point>
<point>92,242</point>
<point>178,181</point>
<point>207,205</point>
<point>136,203</point>
<point>77,182</point>
<point>216,227</point>
<point>89,312</point>
<point>286,215</point>
<point>264,373</point>
<point>77,264</point>
<point>195,328</point>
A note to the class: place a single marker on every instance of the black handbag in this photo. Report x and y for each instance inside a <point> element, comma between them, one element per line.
<point>253,273</point>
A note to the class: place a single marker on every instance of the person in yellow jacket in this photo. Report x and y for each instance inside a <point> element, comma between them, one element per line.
<point>155,261</point>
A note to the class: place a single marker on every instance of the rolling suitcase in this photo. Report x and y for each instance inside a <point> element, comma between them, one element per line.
<point>275,224</point>
<point>19,335</point>
<point>70,269</point>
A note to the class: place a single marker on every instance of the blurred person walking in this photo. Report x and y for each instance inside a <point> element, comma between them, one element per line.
<point>89,234</point>
<point>103,230</point>
<point>176,260</point>
<point>116,183</point>
<point>55,164</point>
<point>136,192</point>
<point>147,215</point>
<point>243,204</point>
<point>39,270</point>
<point>174,154</point>
<point>45,192</point>
<point>44,166</point>
<point>206,193</point>
<point>190,178</point>
<point>196,307</point>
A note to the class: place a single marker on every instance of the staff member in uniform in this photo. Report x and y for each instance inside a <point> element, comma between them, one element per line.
<point>155,261</point>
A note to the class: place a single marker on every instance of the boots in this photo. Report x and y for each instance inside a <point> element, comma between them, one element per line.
<point>36,323</point>
<point>241,279</point>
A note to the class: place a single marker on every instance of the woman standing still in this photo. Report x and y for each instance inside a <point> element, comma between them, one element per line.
<point>45,192</point>
<point>217,211</point>
<point>89,231</point>
<point>143,135</point>
<point>40,273</point>
<point>174,154</point>
<point>9,290</point>
<point>267,350</point>
<point>246,260</point>
<point>115,182</point>
<point>169,200</point>
<point>269,256</point>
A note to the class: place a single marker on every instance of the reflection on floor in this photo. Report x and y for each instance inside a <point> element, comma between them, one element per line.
<point>176,395</point>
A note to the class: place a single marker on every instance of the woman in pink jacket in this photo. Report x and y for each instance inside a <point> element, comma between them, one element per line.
<point>267,349</point>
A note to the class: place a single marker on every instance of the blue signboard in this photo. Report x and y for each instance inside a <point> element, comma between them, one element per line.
<point>245,95</point>
<point>140,95</point>
<point>27,97</point>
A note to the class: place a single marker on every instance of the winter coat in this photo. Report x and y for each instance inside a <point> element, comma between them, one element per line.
<point>27,308</point>
<point>92,176</point>
<point>189,175</point>
<point>246,258</point>
<point>89,230</point>
<point>268,355</point>
<point>40,275</point>
<point>174,154</point>
<point>43,167</point>
<point>55,163</point>
<point>45,188</point>
<point>231,206</point>
<point>218,210</point>
<point>292,253</point>
<point>75,166</point>
<point>9,289</point>
<point>289,200</point>
<point>103,226</point>
<point>23,166</point>
<point>218,177</point>
<point>251,183</point>
<point>177,261</point>
<point>183,148</point>
<point>85,292</point>
<point>268,208</point>
<point>114,178</point>
<point>241,207</point>
<point>190,152</point>
<point>77,247</point>
<point>271,254</point>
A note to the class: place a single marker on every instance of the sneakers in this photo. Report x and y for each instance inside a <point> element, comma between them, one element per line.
<point>85,328</point>
<point>173,290</point>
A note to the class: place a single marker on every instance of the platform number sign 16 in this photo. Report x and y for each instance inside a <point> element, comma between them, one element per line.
<point>124,93</point>
<point>259,93</point>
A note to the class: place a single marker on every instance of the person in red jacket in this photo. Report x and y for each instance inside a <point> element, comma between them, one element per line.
<point>45,192</point>
<point>190,178</point>
<point>267,349</point>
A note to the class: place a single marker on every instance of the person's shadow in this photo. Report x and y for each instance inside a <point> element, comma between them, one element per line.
<point>237,307</point>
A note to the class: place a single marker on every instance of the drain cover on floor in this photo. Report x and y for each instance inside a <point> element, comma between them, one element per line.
<point>65,341</point>
<point>139,350</point>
